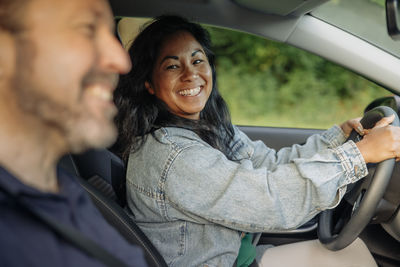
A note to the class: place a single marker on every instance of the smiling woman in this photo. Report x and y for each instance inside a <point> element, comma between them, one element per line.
<point>182,76</point>
<point>178,72</point>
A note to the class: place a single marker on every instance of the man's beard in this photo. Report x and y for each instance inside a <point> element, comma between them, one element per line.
<point>80,128</point>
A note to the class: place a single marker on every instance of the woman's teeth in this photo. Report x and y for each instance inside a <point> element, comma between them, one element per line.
<point>190,92</point>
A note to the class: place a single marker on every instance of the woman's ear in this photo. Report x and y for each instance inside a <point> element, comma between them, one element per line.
<point>149,88</point>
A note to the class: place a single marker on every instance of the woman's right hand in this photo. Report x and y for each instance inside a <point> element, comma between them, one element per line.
<point>381,142</point>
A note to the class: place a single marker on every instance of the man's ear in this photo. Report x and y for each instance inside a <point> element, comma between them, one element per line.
<point>149,88</point>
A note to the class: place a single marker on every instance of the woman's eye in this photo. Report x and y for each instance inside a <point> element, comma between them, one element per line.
<point>171,67</point>
<point>198,61</point>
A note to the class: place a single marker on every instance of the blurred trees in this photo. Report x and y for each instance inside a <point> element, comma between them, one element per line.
<point>274,84</point>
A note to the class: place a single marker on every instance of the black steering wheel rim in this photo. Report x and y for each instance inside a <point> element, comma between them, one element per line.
<point>365,211</point>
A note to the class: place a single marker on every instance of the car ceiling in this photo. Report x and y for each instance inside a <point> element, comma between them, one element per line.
<point>281,8</point>
<point>273,19</point>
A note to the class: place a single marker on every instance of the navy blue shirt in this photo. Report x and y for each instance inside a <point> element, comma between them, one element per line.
<point>24,241</point>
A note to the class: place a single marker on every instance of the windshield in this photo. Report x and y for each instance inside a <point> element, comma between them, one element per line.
<point>363,18</point>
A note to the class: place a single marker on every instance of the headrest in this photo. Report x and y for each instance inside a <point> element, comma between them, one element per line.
<point>102,163</point>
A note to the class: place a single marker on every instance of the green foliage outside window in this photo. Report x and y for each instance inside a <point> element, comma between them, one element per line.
<point>267,83</point>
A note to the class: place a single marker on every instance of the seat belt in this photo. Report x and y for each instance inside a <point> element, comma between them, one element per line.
<point>71,235</point>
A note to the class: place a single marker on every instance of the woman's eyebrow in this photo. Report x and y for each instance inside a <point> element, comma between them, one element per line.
<point>177,58</point>
<point>195,52</point>
<point>169,57</point>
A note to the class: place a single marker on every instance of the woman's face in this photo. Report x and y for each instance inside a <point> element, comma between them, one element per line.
<point>182,76</point>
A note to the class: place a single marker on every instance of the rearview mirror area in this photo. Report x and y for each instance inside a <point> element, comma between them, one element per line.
<point>393,19</point>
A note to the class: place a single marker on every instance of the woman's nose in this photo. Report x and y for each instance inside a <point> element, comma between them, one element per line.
<point>189,74</point>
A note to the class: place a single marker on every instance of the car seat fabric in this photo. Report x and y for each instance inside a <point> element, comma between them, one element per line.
<point>101,173</point>
<point>103,168</point>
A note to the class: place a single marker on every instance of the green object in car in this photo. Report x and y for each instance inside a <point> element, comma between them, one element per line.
<point>247,252</point>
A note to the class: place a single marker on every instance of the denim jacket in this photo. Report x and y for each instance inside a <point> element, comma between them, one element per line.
<point>193,202</point>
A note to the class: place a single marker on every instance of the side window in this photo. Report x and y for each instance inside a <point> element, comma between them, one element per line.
<point>267,83</point>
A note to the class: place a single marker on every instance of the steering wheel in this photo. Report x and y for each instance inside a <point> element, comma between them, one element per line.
<point>366,201</point>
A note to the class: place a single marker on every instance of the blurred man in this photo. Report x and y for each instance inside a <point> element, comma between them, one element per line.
<point>59,65</point>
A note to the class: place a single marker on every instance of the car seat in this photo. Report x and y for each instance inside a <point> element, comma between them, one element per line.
<point>102,175</point>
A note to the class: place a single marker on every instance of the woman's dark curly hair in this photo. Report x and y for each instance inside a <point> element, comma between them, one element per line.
<point>141,113</point>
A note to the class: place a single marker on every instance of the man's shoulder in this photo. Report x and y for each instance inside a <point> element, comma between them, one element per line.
<point>10,185</point>
<point>23,234</point>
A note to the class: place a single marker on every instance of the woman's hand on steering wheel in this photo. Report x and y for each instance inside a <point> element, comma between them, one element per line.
<point>381,142</point>
<point>352,124</point>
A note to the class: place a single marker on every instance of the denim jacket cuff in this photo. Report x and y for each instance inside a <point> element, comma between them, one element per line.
<point>352,161</point>
<point>335,136</point>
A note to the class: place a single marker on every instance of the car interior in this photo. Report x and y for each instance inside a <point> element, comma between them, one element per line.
<point>102,173</point>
